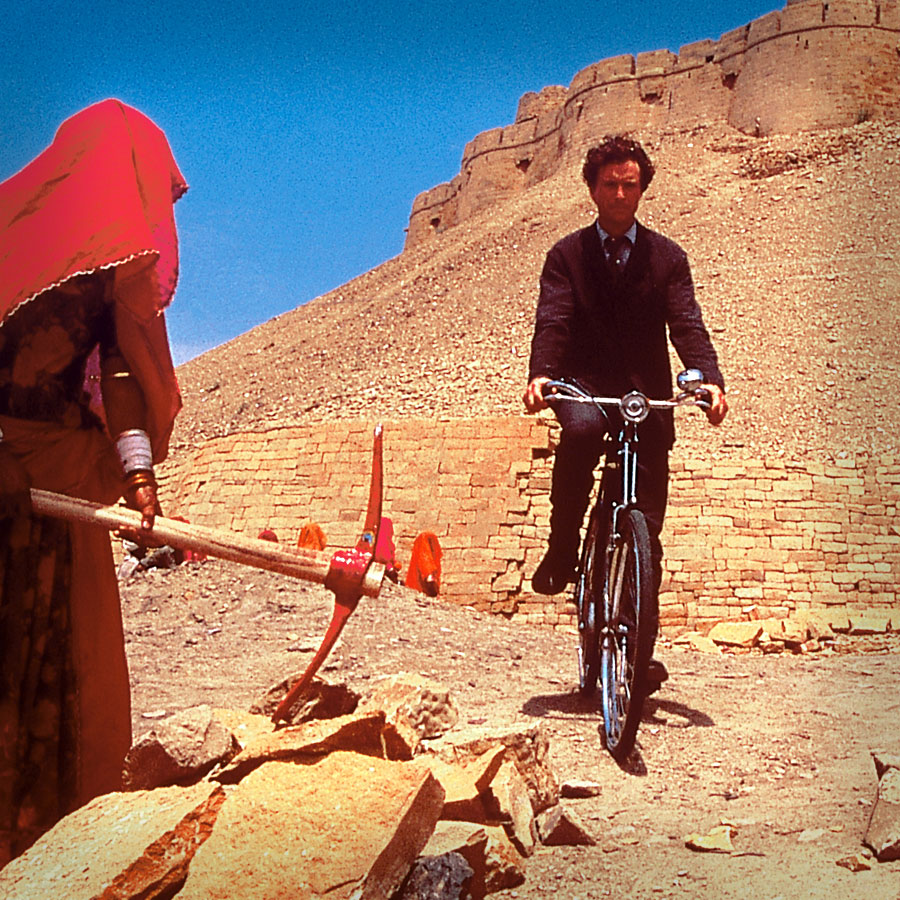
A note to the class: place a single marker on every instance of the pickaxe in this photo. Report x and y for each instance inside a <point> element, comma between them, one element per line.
<point>350,574</point>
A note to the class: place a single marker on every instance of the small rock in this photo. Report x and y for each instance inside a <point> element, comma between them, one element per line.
<point>413,704</point>
<point>504,865</point>
<point>578,790</point>
<point>467,839</point>
<point>178,750</point>
<point>466,785</point>
<point>445,877</point>
<point>884,760</point>
<point>320,699</point>
<point>527,746</point>
<point>855,863</point>
<point>560,826</point>
<point>716,840</point>
<point>810,835</point>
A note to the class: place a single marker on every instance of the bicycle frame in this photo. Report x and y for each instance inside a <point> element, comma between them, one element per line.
<point>617,608</point>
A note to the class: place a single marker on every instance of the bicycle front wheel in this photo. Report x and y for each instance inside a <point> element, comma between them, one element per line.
<point>631,619</point>
<point>588,594</point>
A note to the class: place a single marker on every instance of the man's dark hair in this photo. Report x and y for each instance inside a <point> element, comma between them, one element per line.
<point>617,149</point>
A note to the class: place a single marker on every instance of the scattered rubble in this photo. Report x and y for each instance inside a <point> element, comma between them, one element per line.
<point>806,631</point>
<point>383,801</point>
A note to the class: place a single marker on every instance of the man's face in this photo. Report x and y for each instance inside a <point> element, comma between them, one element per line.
<point>617,193</point>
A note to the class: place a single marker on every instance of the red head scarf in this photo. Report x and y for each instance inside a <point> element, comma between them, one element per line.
<point>101,196</point>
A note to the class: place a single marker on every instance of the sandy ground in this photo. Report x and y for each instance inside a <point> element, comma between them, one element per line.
<point>778,746</point>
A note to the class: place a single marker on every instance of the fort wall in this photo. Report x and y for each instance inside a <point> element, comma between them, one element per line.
<point>778,536</point>
<point>810,65</point>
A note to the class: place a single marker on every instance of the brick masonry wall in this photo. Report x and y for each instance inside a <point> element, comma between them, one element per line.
<point>810,65</point>
<point>742,532</point>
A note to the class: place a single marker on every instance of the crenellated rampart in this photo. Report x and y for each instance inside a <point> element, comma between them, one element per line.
<point>810,65</point>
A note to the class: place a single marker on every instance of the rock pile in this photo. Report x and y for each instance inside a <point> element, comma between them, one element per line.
<point>389,798</point>
<point>808,631</point>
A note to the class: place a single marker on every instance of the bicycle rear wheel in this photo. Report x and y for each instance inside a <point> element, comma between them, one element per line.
<point>588,595</point>
<point>626,639</point>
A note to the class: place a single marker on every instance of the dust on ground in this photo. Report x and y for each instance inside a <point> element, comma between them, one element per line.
<point>779,746</point>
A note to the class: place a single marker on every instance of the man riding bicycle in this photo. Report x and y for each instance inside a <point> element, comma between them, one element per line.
<point>609,294</point>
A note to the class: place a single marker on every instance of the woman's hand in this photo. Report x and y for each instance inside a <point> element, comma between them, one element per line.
<point>141,495</point>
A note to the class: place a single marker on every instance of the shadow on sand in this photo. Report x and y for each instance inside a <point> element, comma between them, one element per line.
<point>573,706</point>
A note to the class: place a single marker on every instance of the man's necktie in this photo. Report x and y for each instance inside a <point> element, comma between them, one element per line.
<point>615,252</point>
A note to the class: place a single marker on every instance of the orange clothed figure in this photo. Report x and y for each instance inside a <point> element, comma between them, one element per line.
<point>311,537</point>
<point>424,572</point>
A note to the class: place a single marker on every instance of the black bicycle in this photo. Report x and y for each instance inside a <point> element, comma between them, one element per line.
<point>618,610</point>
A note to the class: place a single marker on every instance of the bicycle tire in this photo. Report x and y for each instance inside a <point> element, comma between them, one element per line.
<point>631,620</point>
<point>588,587</point>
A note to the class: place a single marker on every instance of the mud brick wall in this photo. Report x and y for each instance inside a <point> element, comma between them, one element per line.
<point>811,65</point>
<point>780,536</point>
<point>740,532</point>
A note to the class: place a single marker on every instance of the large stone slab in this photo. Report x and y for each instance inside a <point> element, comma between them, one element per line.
<point>466,784</point>
<point>528,747</point>
<point>870,622</point>
<point>119,846</point>
<point>736,634</point>
<point>346,826</point>
<point>504,865</point>
<point>511,795</point>
<point>364,733</point>
<point>819,623</point>
<point>179,750</point>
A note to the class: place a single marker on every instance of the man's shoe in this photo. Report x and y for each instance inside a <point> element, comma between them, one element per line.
<point>657,673</point>
<point>553,574</point>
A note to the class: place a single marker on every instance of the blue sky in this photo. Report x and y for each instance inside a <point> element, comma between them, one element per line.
<point>305,130</point>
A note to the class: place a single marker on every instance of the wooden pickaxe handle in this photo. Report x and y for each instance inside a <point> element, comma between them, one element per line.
<point>298,562</point>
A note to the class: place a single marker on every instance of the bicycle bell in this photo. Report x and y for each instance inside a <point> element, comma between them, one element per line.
<point>689,380</point>
<point>635,407</point>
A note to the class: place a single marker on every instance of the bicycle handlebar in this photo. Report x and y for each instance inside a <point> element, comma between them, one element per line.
<point>634,406</point>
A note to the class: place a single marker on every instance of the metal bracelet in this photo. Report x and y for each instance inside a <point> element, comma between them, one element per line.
<point>134,451</point>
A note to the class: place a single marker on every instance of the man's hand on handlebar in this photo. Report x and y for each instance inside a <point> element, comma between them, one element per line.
<point>718,405</point>
<point>534,394</point>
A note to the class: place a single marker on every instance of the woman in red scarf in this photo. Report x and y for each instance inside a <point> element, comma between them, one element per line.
<point>88,262</point>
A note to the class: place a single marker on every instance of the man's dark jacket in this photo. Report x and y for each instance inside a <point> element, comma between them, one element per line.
<point>609,331</point>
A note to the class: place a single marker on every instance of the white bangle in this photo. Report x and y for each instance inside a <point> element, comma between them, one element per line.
<point>134,451</point>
